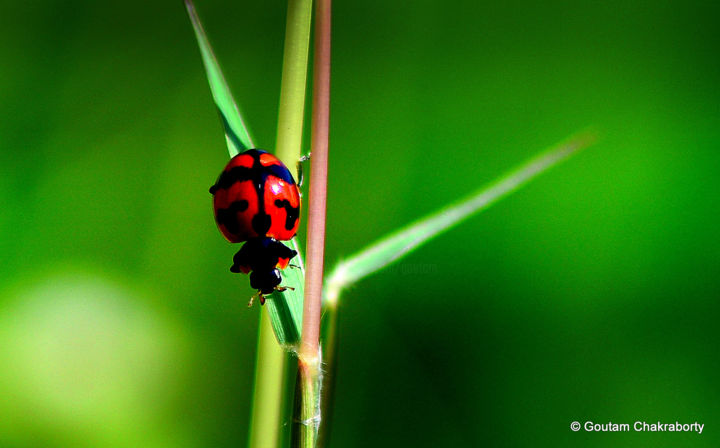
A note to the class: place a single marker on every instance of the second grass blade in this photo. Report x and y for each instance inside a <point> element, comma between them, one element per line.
<point>401,242</point>
<point>238,138</point>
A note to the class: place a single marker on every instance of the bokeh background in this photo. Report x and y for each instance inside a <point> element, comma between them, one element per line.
<point>592,294</point>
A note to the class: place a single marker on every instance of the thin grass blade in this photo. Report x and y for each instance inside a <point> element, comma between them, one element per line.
<point>236,134</point>
<point>286,307</point>
<point>401,242</point>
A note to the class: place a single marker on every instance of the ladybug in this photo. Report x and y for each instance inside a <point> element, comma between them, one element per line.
<point>256,200</point>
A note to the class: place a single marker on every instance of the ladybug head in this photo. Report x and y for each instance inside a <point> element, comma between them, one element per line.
<point>265,281</point>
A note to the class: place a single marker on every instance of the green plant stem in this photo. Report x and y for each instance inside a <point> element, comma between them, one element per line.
<point>267,395</point>
<point>268,400</point>
<point>294,82</point>
<point>307,404</point>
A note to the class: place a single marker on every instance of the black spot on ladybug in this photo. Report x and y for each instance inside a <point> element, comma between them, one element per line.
<point>239,206</point>
<point>292,213</point>
<point>261,223</point>
<point>227,216</point>
<point>229,177</point>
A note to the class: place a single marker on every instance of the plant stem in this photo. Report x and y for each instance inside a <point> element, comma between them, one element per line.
<point>294,82</point>
<point>317,195</point>
<point>309,356</point>
<point>306,419</point>
<point>329,337</point>
<point>269,379</point>
<point>270,365</point>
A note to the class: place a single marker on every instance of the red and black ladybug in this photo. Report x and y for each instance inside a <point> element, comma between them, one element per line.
<point>257,200</point>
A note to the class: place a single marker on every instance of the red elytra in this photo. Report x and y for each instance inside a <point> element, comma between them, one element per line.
<point>256,196</point>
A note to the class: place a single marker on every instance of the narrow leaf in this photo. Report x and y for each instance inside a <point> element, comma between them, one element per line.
<point>236,134</point>
<point>284,307</point>
<point>401,242</point>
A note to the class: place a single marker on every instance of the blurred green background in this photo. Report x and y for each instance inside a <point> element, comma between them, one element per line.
<point>592,294</point>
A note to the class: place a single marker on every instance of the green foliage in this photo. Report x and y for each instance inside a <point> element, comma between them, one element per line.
<point>598,280</point>
<point>236,134</point>
<point>285,307</point>
<point>401,242</point>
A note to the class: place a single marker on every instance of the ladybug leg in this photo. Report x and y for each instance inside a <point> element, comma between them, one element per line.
<point>260,296</point>
<point>284,288</point>
<point>252,299</point>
